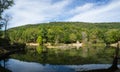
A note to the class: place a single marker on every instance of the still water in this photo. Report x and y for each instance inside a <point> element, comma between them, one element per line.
<point>58,60</point>
<point>23,66</point>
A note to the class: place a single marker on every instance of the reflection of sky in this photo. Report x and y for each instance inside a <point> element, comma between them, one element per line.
<point>20,66</point>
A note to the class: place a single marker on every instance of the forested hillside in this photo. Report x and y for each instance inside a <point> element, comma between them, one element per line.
<point>66,32</point>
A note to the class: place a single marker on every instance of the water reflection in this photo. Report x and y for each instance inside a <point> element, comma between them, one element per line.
<point>42,59</point>
<point>21,66</point>
<point>73,56</point>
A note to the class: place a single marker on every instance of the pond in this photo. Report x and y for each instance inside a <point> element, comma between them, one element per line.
<point>42,59</point>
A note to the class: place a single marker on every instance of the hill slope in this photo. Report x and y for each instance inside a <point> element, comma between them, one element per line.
<point>66,32</point>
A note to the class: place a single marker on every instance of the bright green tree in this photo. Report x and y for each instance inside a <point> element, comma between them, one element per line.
<point>40,40</point>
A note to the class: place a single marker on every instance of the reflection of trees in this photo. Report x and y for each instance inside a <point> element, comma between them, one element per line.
<point>97,54</point>
<point>3,63</point>
<point>44,57</point>
<point>85,52</point>
<point>39,49</point>
<point>114,66</point>
<point>44,54</point>
<point>3,66</point>
<point>69,56</point>
<point>115,59</point>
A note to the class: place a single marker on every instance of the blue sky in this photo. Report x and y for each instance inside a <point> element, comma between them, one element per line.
<point>42,11</point>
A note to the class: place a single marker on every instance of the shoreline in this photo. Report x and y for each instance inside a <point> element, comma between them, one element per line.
<point>61,45</point>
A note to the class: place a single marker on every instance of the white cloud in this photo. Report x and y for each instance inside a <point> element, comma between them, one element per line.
<point>83,8</point>
<point>106,13</point>
<point>38,11</point>
<point>35,11</point>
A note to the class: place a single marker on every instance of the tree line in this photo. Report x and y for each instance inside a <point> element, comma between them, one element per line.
<point>66,32</point>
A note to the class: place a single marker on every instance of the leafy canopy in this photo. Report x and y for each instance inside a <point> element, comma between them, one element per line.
<point>4,4</point>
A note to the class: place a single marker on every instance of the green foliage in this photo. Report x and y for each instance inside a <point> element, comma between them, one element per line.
<point>66,32</point>
<point>39,49</point>
<point>112,36</point>
<point>86,55</point>
<point>39,40</point>
<point>73,37</point>
<point>4,42</point>
<point>43,34</point>
<point>5,4</point>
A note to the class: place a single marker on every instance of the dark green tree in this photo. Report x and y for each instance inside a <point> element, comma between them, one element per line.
<point>4,4</point>
<point>112,36</point>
